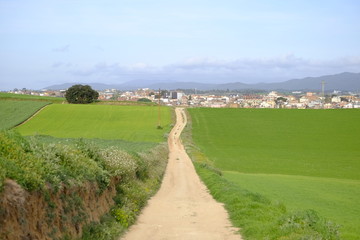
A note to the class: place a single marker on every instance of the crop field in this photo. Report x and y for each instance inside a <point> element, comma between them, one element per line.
<point>307,159</point>
<point>13,113</point>
<point>129,123</point>
<point>23,97</point>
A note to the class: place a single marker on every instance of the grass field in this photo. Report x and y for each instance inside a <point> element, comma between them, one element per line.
<point>13,113</point>
<point>307,159</point>
<point>130,123</point>
<point>23,97</point>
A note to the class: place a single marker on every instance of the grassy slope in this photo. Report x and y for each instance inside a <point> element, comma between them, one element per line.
<point>322,144</point>
<point>15,112</point>
<point>131,123</point>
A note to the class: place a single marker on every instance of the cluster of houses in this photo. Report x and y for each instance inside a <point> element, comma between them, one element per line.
<point>276,100</point>
<point>42,93</point>
<point>272,99</point>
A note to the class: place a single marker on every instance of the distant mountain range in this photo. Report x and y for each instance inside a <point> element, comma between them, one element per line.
<point>342,82</point>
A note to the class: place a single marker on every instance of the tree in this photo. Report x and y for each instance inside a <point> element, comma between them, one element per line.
<point>280,101</point>
<point>81,94</point>
<point>343,99</point>
<point>144,100</point>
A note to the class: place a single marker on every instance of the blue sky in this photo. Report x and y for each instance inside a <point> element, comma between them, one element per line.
<point>114,41</point>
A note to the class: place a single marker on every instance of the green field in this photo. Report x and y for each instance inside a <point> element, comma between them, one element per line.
<point>13,113</point>
<point>24,97</point>
<point>307,159</point>
<point>130,123</point>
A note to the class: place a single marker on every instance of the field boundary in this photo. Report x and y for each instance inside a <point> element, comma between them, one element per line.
<point>29,118</point>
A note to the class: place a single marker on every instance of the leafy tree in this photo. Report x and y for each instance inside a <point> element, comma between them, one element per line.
<point>81,94</point>
<point>343,99</point>
<point>280,101</point>
<point>144,100</point>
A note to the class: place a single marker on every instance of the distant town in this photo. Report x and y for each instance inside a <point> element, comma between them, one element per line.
<point>223,99</point>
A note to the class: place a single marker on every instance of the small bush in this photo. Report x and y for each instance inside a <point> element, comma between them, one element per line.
<point>119,163</point>
<point>18,163</point>
<point>107,230</point>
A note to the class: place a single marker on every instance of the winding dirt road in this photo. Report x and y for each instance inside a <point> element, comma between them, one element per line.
<point>182,208</point>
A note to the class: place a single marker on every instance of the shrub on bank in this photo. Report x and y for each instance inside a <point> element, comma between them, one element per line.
<point>132,194</point>
<point>45,167</point>
<point>33,164</point>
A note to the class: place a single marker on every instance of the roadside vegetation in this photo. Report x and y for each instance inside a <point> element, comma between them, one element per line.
<point>130,123</point>
<point>270,198</point>
<point>46,167</point>
<point>13,113</point>
<point>142,180</point>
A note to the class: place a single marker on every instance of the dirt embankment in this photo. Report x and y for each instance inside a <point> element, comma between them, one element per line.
<point>182,208</point>
<point>33,215</point>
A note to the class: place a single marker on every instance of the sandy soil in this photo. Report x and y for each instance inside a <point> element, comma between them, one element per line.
<point>182,208</point>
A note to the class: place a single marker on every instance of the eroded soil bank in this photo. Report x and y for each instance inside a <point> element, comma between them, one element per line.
<point>35,215</point>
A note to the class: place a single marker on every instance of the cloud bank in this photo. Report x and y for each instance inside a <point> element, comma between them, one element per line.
<point>219,70</point>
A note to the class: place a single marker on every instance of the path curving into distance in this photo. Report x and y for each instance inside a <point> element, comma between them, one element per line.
<point>182,208</point>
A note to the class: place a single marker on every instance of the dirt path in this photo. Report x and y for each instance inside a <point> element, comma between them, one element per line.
<point>182,208</point>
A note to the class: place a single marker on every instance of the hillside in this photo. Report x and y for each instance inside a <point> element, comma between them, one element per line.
<point>342,82</point>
